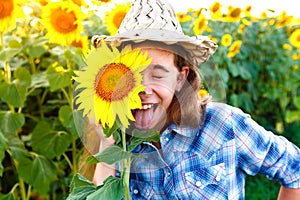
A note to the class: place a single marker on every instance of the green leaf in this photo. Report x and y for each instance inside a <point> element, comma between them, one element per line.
<point>139,136</point>
<point>110,155</point>
<point>35,51</point>
<point>39,80</point>
<point>9,93</point>
<point>49,142</point>
<point>113,188</point>
<point>80,188</point>
<point>8,196</point>
<point>59,77</point>
<point>8,53</point>
<point>3,146</point>
<point>15,93</point>
<point>14,44</point>
<point>296,101</point>
<point>108,131</point>
<point>37,171</point>
<point>65,116</point>
<point>11,122</point>
<point>292,116</point>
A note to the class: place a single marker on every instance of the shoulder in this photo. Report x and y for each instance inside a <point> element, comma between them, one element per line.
<point>222,114</point>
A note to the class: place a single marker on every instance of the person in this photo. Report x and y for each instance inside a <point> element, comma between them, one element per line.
<point>206,148</point>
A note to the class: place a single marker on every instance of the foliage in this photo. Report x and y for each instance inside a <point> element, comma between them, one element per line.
<point>39,143</point>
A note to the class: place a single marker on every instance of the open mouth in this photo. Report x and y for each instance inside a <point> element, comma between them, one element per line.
<point>144,116</point>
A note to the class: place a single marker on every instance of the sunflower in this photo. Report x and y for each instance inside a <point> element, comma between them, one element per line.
<point>234,49</point>
<point>215,10</point>
<point>62,21</point>
<point>226,40</point>
<point>9,11</point>
<point>287,47</point>
<point>183,17</point>
<point>233,15</point>
<point>200,24</point>
<point>295,38</point>
<point>110,84</point>
<point>82,43</point>
<point>115,16</point>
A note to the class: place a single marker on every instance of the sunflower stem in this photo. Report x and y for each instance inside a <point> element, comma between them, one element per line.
<point>126,167</point>
<point>7,75</point>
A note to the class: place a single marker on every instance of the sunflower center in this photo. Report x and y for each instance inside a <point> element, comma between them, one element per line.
<point>235,13</point>
<point>215,8</point>
<point>118,18</point>
<point>201,24</point>
<point>114,82</point>
<point>6,8</point>
<point>63,21</point>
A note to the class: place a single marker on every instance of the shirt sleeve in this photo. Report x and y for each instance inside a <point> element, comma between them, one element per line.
<point>261,151</point>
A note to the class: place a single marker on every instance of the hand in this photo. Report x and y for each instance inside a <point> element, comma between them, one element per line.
<point>104,141</point>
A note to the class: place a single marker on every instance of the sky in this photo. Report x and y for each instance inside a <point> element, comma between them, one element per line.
<point>258,6</point>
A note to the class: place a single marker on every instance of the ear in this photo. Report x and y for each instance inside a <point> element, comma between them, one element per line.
<point>183,74</point>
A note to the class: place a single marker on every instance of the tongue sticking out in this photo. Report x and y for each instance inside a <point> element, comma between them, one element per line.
<point>143,118</point>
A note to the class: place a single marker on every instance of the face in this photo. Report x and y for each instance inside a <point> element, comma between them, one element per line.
<point>161,79</point>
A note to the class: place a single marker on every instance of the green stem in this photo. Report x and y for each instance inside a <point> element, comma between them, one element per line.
<point>68,161</point>
<point>126,167</point>
<point>67,96</point>
<point>1,39</point>
<point>32,65</point>
<point>22,188</point>
<point>74,158</point>
<point>29,192</point>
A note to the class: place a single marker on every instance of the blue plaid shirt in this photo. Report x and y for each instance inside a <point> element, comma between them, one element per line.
<point>211,162</point>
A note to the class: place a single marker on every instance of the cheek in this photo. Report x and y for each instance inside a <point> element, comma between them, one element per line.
<point>166,95</point>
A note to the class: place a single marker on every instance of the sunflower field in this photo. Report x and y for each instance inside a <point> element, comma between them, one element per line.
<point>42,45</point>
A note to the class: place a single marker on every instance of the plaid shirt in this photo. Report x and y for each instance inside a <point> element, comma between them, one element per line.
<point>211,162</point>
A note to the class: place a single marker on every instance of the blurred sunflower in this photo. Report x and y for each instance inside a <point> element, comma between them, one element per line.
<point>42,2</point>
<point>115,16</point>
<point>233,15</point>
<point>226,40</point>
<point>295,38</point>
<point>80,3</point>
<point>10,10</point>
<point>234,49</point>
<point>203,92</point>
<point>82,43</point>
<point>215,10</point>
<point>111,84</point>
<point>287,47</point>
<point>63,22</point>
<point>183,17</point>
<point>247,11</point>
<point>284,20</point>
<point>99,2</point>
<point>200,24</point>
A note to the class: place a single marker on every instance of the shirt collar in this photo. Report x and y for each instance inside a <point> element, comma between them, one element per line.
<point>184,131</point>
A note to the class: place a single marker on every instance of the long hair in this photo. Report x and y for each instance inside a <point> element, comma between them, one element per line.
<point>187,108</point>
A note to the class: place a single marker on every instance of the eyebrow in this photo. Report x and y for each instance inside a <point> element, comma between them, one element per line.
<point>161,67</point>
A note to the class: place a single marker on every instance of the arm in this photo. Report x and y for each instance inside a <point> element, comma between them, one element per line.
<point>288,193</point>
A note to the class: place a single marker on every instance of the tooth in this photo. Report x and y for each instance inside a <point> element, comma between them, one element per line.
<point>144,107</point>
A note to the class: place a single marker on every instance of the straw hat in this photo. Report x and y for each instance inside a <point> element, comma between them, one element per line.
<point>155,20</point>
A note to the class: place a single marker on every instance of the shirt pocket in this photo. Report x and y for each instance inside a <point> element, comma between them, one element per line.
<point>140,190</point>
<point>207,181</point>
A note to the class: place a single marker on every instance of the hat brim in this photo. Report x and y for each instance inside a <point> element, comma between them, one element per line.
<point>199,47</point>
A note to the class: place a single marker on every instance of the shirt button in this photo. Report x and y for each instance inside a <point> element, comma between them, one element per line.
<point>198,183</point>
<point>166,139</point>
<point>218,178</point>
<point>135,191</point>
<point>168,174</point>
